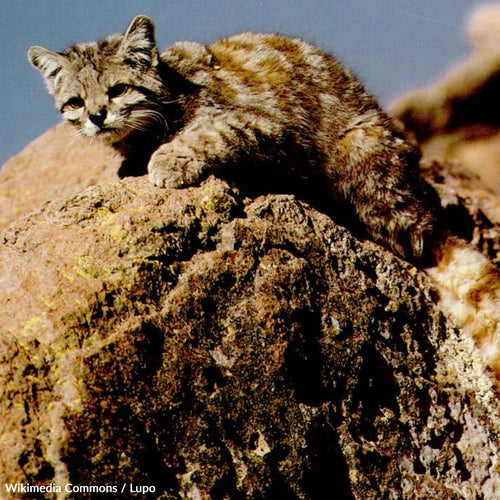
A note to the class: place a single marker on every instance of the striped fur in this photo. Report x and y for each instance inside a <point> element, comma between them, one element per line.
<point>267,100</point>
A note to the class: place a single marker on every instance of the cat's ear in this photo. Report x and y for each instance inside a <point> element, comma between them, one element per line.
<point>48,63</point>
<point>138,46</point>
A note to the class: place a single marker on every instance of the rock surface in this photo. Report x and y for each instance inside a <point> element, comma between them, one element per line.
<point>215,346</point>
<point>471,210</point>
<point>58,164</point>
<point>456,117</point>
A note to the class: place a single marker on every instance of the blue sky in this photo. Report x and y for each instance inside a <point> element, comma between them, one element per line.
<point>392,45</point>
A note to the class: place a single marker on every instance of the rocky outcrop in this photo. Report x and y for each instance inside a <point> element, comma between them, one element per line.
<point>456,118</point>
<point>199,343</point>
<point>207,345</point>
<point>57,165</point>
<point>471,211</point>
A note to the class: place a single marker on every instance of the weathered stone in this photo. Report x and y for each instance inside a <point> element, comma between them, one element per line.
<point>471,210</point>
<point>455,118</point>
<point>57,165</point>
<point>219,347</point>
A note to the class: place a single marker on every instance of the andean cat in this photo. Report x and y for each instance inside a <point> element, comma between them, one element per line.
<point>280,103</point>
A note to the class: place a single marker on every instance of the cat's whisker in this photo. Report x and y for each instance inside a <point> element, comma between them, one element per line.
<point>144,116</point>
<point>137,126</point>
<point>75,135</point>
<point>172,102</point>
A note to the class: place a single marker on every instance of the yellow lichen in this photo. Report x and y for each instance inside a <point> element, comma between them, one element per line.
<point>34,325</point>
<point>65,275</point>
<point>87,268</point>
<point>105,216</point>
<point>117,233</point>
<point>47,302</point>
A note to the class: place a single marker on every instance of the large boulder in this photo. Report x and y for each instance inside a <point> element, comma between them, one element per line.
<point>456,117</point>
<point>197,343</point>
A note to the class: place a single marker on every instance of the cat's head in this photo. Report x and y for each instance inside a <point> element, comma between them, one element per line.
<point>107,89</point>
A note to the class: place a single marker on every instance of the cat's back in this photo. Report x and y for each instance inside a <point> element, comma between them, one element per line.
<point>260,62</point>
<point>260,57</point>
<point>277,60</point>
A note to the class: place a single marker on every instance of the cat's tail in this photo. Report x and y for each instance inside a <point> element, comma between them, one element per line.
<point>469,286</point>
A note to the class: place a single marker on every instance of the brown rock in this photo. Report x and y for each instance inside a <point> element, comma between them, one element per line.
<point>214,346</point>
<point>57,165</point>
<point>471,211</point>
<point>456,118</point>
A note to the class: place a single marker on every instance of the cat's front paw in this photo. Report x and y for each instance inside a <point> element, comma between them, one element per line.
<point>164,177</point>
<point>171,169</point>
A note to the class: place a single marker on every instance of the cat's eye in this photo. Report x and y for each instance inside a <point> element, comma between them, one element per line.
<point>118,90</point>
<point>74,103</point>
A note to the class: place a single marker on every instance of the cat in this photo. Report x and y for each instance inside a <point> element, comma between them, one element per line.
<point>196,110</point>
<point>268,100</point>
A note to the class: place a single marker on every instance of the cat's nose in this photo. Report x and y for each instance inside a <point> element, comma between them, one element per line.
<point>98,118</point>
